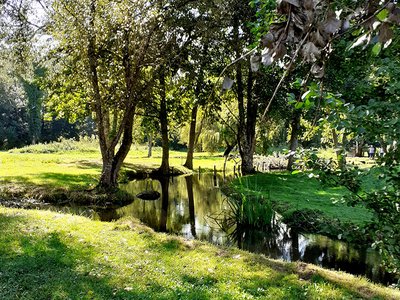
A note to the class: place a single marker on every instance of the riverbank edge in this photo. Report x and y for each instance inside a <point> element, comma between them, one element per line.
<point>72,230</point>
<point>312,221</point>
<point>29,195</point>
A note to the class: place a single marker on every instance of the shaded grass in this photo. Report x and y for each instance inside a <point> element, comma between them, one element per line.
<point>45,255</point>
<point>294,192</point>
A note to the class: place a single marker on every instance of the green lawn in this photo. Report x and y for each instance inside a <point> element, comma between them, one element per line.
<point>78,165</point>
<point>45,255</point>
<point>291,192</point>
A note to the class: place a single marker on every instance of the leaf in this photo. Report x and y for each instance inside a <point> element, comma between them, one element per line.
<point>377,49</point>
<point>305,94</point>
<point>364,39</point>
<point>268,40</point>
<point>308,4</point>
<point>255,62</point>
<point>280,52</point>
<point>227,83</point>
<point>266,58</point>
<point>394,16</point>
<point>331,25</point>
<point>318,39</point>
<point>310,52</point>
<point>385,33</point>
<point>318,71</point>
<point>346,24</point>
<point>293,2</point>
<point>299,105</point>
<point>382,15</point>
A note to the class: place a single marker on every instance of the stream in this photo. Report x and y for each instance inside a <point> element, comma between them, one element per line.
<point>189,205</point>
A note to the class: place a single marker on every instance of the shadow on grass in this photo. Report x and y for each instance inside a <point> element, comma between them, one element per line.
<point>86,164</point>
<point>68,180</point>
<point>40,265</point>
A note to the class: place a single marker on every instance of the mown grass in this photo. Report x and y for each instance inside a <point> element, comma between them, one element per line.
<point>294,192</point>
<point>77,165</point>
<point>45,255</point>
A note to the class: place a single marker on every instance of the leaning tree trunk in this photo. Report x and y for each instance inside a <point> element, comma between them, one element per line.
<point>294,138</point>
<point>164,168</point>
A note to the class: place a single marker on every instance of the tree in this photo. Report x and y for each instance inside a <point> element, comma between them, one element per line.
<point>108,46</point>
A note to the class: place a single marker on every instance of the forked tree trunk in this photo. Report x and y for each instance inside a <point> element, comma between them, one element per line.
<point>112,162</point>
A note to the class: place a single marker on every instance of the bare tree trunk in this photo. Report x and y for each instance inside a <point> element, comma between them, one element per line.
<point>294,138</point>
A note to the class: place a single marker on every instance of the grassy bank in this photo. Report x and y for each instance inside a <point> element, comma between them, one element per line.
<point>304,202</point>
<point>57,168</point>
<point>45,255</point>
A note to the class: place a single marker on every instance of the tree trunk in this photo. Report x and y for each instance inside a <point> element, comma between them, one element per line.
<point>294,138</point>
<point>112,162</point>
<point>192,137</point>
<point>246,130</point>
<point>359,149</point>
<point>150,145</point>
<point>339,150</point>
<point>164,168</point>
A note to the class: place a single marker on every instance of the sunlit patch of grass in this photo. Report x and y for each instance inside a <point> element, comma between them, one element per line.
<point>70,164</point>
<point>44,255</point>
<point>297,192</point>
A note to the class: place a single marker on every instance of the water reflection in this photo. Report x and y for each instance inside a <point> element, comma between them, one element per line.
<point>187,204</point>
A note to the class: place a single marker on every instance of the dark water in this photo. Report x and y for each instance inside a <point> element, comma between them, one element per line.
<point>189,205</point>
